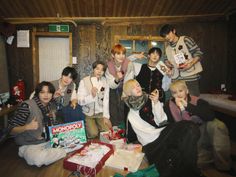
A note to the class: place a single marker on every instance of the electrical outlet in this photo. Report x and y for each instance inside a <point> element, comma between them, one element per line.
<point>222,86</point>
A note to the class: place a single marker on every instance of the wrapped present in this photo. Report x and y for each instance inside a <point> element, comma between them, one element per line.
<point>125,160</point>
<point>133,147</point>
<point>114,136</point>
<point>89,159</point>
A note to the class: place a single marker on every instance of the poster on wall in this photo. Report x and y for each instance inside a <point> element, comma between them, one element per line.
<point>23,38</point>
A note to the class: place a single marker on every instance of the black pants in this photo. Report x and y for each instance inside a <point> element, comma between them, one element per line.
<point>116,107</point>
<point>174,152</point>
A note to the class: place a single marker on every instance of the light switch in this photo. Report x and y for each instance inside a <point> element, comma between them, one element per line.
<point>74,60</point>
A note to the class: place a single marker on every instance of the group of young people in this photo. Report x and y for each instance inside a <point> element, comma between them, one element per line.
<point>178,135</point>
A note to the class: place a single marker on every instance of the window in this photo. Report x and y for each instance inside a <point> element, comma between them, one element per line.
<point>137,44</point>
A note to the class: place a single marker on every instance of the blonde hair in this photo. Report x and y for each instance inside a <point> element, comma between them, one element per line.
<point>178,84</point>
<point>128,86</point>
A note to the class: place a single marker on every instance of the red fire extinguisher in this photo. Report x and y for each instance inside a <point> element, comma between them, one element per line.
<point>19,90</point>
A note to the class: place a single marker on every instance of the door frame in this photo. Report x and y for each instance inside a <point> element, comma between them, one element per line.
<point>35,50</point>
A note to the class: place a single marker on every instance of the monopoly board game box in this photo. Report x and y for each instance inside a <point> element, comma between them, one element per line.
<point>89,159</point>
<point>69,136</point>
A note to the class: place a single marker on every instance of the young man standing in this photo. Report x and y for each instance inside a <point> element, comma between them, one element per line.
<point>183,56</point>
<point>119,70</point>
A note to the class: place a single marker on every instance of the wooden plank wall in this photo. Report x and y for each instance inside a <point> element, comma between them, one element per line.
<point>212,39</point>
<point>3,69</point>
<point>231,63</point>
<point>94,41</point>
<point>20,63</point>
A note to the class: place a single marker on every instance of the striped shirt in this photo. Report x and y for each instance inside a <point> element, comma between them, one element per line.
<point>192,47</point>
<point>21,115</point>
<point>23,112</point>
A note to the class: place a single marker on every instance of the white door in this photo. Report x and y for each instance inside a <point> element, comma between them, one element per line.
<point>53,57</point>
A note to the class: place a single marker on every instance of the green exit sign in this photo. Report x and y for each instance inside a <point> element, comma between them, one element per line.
<point>58,28</point>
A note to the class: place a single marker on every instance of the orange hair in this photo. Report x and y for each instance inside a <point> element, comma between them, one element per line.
<point>118,48</point>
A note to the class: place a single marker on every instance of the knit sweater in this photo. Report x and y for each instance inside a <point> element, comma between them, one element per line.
<point>195,107</point>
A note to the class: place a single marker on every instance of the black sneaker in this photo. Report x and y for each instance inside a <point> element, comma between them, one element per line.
<point>230,172</point>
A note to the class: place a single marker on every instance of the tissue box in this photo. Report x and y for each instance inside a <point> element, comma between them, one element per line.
<point>89,159</point>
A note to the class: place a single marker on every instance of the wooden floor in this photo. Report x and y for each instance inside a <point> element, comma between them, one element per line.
<point>11,165</point>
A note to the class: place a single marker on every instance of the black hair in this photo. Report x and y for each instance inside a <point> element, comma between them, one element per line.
<point>70,70</point>
<point>99,62</point>
<point>40,86</point>
<point>155,49</point>
<point>166,29</point>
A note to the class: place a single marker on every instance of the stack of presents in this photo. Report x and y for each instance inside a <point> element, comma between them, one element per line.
<point>89,157</point>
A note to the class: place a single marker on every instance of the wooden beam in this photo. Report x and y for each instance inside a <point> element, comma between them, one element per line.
<point>108,21</point>
<point>163,19</point>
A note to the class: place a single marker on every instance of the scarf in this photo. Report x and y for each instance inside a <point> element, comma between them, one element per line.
<point>136,102</point>
<point>144,105</point>
<point>44,109</point>
<point>112,68</point>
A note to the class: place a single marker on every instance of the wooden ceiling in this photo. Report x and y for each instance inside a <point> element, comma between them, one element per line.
<point>108,11</point>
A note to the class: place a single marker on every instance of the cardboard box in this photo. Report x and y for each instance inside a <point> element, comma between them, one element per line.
<point>69,164</point>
